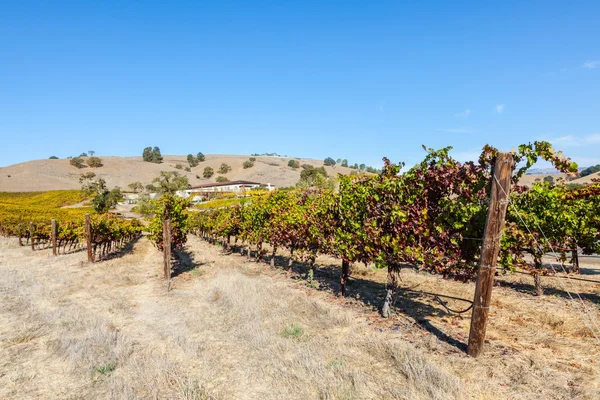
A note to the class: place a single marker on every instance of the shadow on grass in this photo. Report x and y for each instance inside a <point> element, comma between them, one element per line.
<point>184,262</point>
<point>548,291</point>
<point>127,249</point>
<point>372,294</point>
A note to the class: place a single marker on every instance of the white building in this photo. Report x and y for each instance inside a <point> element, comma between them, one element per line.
<point>226,187</point>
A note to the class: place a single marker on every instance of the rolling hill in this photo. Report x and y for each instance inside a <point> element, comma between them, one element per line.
<point>42,175</point>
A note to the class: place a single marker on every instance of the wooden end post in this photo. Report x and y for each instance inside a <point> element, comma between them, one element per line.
<point>53,236</point>
<point>31,235</point>
<point>167,248</point>
<point>88,238</point>
<point>494,225</point>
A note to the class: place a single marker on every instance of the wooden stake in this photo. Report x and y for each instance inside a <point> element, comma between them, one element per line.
<point>489,251</point>
<point>31,235</point>
<point>88,237</point>
<point>53,236</point>
<point>167,249</point>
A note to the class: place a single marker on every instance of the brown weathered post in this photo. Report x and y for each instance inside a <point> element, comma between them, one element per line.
<point>575,261</point>
<point>167,248</point>
<point>53,236</point>
<point>88,237</point>
<point>489,251</point>
<point>31,235</point>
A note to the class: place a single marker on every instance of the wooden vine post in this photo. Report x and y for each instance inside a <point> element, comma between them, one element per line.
<point>88,238</point>
<point>167,250</point>
<point>494,225</point>
<point>53,236</point>
<point>31,235</point>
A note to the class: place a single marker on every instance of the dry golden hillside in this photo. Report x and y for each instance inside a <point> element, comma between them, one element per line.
<point>41,175</point>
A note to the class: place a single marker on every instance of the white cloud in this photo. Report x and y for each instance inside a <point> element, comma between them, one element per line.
<point>499,108</point>
<point>591,64</point>
<point>463,114</point>
<point>458,130</point>
<point>575,141</point>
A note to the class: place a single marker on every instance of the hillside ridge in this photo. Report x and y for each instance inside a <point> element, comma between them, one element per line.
<point>59,174</point>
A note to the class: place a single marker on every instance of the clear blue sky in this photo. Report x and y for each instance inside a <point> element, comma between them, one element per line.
<point>348,79</point>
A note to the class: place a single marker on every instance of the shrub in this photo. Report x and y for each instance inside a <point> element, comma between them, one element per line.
<point>178,166</point>
<point>77,162</point>
<point>224,168</point>
<point>294,164</point>
<point>83,155</point>
<point>248,164</point>
<point>200,157</point>
<point>252,158</point>
<point>307,166</point>
<point>329,162</point>
<point>53,158</point>
<point>208,172</point>
<point>94,162</point>
<point>221,179</point>
<point>345,163</point>
<point>188,169</point>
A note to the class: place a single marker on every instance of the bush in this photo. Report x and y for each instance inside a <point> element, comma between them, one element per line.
<point>252,158</point>
<point>188,169</point>
<point>224,168</point>
<point>248,164</point>
<point>200,157</point>
<point>329,162</point>
<point>77,162</point>
<point>307,166</point>
<point>345,163</point>
<point>294,164</point>
<point>94,162</point>
<point>53,158</point>
<point>208,172</point>
<point>83,155</point>
<point>178,166</point>
<point>221,179</point>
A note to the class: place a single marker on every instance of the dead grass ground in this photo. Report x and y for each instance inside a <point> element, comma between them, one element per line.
<point>232,329</point>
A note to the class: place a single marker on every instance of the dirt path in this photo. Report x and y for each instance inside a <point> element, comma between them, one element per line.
<point>233,329</point>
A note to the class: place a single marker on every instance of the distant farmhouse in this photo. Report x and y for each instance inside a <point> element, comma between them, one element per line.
<point>225,187</point>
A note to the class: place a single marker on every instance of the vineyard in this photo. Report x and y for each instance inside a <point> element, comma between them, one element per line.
<point>430,218</point>
<point>39,220</point>
<point>404,244</point>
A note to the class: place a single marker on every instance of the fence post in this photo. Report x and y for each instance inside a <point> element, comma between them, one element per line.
<point>88,238</point>
<point>167,249</point>
<point>494,225</point>
<point>53,236</point>
<point>31,235</point>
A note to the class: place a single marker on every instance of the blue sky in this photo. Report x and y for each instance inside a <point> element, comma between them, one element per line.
<point>349,79</point>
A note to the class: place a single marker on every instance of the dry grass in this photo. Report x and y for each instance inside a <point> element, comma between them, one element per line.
<point>233,329</point>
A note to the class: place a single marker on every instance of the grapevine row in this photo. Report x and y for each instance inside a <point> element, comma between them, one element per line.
<point>429,217</point>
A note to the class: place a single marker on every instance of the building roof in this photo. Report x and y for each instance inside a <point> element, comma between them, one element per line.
<point>232,183</point>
